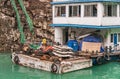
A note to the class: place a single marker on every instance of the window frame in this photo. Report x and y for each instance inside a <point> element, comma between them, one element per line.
<point>71,10</point>
<point>89,7</point>
<point>58,11</point>
<point>113,8</point>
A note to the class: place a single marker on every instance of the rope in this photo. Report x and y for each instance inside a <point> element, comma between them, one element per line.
<point>22,36</point>
<point>29,21</point>
<point>26,14</point>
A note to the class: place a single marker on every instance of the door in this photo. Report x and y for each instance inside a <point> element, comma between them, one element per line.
<point>65,35</point>
<point>115,39</point>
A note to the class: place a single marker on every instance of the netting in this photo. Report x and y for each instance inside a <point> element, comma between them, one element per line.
<point>22,36</point>
<point>26,14</point>
<point>29,21</point>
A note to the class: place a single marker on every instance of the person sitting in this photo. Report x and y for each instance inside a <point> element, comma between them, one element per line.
<point>46,48</point>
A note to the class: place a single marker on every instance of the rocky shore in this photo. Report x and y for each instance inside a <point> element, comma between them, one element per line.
<point>40,12</point>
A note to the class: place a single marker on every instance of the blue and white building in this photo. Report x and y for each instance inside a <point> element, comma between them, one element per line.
<point>82,17</point>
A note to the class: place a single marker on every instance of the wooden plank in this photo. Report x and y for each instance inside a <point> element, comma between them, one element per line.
<point>91,46</point>
<point>63,47</point>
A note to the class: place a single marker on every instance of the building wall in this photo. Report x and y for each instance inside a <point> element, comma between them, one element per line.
<point>77,20</point>
<point>112,31</point>
<point>99,20</point>
<point>110,21</point>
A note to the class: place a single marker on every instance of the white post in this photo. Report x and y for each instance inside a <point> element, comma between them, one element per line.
<point>82,11</point>
<point>59,35</point>
<point>100,13</point>
<point>67,11</point>
<point>53,12</point>
<point>107,42</point>
<point>118,10</point>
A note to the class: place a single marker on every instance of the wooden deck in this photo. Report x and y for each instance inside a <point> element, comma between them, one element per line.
<point>66,65</point>
<point>89,55</point>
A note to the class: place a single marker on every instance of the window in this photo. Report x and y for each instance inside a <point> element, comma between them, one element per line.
<point>118,37</point>
<point>74,11</point>
<point>90,10</point>
<point>60,11</point>
<point>111,38</point>
<point>110,10</point>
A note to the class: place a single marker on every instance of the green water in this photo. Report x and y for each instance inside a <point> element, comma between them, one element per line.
<point>8,70</point>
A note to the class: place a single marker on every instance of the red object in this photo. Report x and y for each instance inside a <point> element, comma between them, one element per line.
<point>48,48</point>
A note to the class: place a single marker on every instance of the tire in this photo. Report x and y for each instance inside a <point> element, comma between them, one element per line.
<point>107,57</point>
<point>99,60</point>
<point>11,56</point>
<point>55,68</point>
<point>16,60</point>
<point>119,56</point>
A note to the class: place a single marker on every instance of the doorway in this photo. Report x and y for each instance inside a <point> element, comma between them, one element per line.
<point>65,36</point>
<point>115,39</point>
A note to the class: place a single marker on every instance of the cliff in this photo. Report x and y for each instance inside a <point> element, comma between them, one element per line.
<point>39,11</point>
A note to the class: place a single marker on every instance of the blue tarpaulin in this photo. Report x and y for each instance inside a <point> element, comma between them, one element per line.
<point>91,38</point>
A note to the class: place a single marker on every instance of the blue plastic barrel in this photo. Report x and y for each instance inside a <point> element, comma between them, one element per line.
<point>70,43</point>
<point>73,44</point>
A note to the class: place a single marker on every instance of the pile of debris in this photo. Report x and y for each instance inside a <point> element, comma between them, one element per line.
<point>63,51</point>
<point>51,53</point>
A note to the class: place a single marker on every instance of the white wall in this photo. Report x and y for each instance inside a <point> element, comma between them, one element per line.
<point>110,21</point>
<point>59,35</point>
<point>85,21</point>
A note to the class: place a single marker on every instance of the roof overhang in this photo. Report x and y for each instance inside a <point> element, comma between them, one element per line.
<point>85,26</point>
<point>81,1</point>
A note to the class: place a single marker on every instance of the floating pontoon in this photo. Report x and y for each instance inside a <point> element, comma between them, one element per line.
<point>68,64</point>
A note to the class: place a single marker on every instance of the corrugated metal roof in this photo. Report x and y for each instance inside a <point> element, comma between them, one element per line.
<point>81,1</point>
<point>85,26</point>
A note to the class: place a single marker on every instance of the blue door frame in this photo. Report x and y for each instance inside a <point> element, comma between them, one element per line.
<point>115,38</point>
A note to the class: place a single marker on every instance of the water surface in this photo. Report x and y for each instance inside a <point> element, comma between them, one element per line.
<point>8,70</point>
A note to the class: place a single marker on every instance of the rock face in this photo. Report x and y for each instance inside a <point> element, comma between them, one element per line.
<point>40,12</point>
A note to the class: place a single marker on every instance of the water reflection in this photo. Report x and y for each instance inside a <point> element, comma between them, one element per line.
<point>8,70</point>
<point>97,72</point>
<point>38,74</point>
